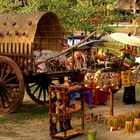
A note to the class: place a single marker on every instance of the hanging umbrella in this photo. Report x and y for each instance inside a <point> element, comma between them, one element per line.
<point>81,37</point>
<point>76,37</point>
<point>126,39</point>
<point>89,44</point>
<point>86,45</point>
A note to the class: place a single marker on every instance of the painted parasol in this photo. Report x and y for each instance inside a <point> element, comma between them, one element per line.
<point>127,39</point>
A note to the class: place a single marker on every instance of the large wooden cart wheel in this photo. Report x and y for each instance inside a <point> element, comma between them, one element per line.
<point>11,85</point>
<point>37,88</point>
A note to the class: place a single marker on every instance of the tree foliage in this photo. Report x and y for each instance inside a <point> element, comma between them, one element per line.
<point>73,14</point>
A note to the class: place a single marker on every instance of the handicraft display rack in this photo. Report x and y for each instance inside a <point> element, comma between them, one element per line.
<point>61,110</point>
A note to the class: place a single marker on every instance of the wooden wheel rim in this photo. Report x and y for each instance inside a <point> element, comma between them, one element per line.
<point>11,85</point>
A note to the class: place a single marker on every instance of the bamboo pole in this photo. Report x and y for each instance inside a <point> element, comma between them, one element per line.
<point>68,49</point>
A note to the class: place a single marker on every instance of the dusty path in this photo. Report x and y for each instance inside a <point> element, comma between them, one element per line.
<point>38,127</point>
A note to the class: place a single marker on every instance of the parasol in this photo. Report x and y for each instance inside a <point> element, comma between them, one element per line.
<point>76,37</point>
<point>126,39</point>
<point>89,44</point>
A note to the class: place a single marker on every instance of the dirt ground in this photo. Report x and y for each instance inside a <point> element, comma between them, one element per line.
<point>38,129</point>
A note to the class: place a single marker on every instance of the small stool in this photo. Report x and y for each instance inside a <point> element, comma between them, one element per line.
<point>87,92</point>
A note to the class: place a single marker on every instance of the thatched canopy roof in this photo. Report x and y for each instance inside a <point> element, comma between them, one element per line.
<point>41,28</point>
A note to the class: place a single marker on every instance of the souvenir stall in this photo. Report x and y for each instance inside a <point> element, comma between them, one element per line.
<point>106,72</point>
<point>129,76</point>
<point>63,106</point>
<point>109,73</point>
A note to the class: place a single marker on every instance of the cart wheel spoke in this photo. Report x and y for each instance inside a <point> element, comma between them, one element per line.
<point>5,102</point>
<point>4,69</point>
<point>10,79</point>
<point>44,94</point>
<point>33,85</point>
<point>9,94</point>
<point>38,89</point>
<point>39,95</point>
<point>12,86</point>
<point>6,75</point>
<point>7,99</point>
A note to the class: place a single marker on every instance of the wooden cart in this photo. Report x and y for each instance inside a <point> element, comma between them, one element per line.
<point>18,33</point>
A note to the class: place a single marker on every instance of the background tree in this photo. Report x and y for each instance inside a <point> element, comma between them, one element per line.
<point>73,14</point>
<point>136,20</point>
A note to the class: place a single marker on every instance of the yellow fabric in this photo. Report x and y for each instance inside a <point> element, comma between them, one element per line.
<point>126,77</point>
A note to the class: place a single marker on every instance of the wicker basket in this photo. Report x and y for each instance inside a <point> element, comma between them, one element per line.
<point>121,121</point>
<point>137,124</point>
<point>129,126</point>
<point>113,123</point>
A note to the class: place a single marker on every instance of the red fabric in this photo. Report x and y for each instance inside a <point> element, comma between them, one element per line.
<point>95,97</point>
<point>100,96</point>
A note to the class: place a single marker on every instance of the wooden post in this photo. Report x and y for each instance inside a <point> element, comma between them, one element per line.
<point>65,90</point>
<point>50,110</point>
<point>111,102</point>
<point>82,109</point>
